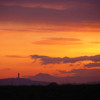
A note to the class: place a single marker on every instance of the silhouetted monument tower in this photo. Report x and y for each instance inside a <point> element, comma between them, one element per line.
<point>18,75</point>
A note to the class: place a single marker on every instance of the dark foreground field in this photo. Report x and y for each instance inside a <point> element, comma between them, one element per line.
<point>50,92</point>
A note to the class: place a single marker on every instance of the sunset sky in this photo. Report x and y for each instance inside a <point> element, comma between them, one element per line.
<point>58,37</point>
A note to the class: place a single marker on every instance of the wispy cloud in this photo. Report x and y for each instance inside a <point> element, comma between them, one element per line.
<point>55,4</point>
<point>95,42</point>
<point>16,56</point>
<point>17,30</point>
<point>59,41</point>
<point>5,69</point>
<point>65,39</point>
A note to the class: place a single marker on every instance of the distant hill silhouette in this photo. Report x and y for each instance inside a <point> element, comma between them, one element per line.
<point>44,77</point>
<point>48,78</point>
<point>21,81</point>
<point>62,80</point>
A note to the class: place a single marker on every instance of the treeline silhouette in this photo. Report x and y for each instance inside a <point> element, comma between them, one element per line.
<point>50,92</point>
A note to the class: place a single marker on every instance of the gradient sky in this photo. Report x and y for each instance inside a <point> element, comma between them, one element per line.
<point>58,37</point>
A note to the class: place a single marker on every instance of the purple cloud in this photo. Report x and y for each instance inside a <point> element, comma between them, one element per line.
<point>80,71</point>
<point>53,4</point>
<point>47,60</point>
<point>56,60</point>
<point>92,65</point>
<point>84,75</point>
<point>46,11</point>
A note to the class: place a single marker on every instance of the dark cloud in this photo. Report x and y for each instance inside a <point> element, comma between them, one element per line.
<point>50,3</point>
<point>94,58</point>
<point>92,65</point>
<point>56,60</point>
<point>84,75</point>
<point>63,71</point>
<point>47,11</point>
<point>47,60</point>
<point>81,72</point>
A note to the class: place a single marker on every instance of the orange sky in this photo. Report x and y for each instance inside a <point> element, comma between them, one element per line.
<point>47,30</point>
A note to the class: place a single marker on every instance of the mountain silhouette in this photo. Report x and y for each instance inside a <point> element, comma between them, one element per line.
<point>62,80</point>
<point>42,76</point>
<point>46,78</point>
<point>21,81</point>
